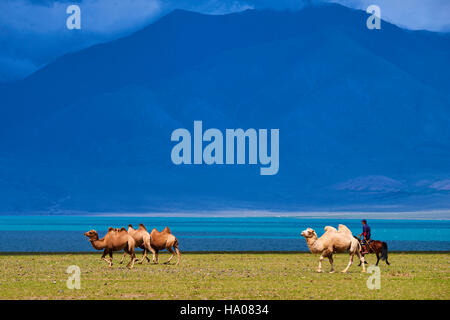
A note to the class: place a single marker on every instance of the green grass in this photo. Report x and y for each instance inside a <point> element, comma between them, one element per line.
<point>223,276</point>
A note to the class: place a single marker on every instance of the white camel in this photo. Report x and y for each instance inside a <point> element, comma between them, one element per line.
<point>333,241</point>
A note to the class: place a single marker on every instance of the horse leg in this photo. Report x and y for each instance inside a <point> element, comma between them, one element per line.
<point>378,258</point>
<point>330,258</point>
<point>384,252</point>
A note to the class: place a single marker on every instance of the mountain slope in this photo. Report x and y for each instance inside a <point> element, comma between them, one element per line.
<point>91,132</point>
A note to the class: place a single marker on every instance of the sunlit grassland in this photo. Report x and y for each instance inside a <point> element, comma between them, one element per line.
<point>223,276</point>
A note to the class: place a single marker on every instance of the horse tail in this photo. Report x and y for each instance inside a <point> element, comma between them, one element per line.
<point>384,251</point>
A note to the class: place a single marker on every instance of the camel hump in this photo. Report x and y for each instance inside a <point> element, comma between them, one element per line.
<point>344,229</point>
<point>130,226</point>
<point>330,229</point>
<point>141,226</point>
<point>123,229</point>
<point>110,229</point>
<point>166,230</point>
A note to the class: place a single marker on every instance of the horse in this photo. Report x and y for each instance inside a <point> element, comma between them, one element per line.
<point>380,248</point>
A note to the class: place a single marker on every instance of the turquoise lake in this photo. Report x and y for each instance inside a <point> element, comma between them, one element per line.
<point>65,233</point>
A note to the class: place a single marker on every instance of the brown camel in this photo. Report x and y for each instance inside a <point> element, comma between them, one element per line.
<point>333,241</point>
<point>114,240</point>
<point>142,240</point>
<point>164,240</point>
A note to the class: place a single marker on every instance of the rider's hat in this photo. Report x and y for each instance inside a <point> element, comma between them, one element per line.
<point>364,220</point>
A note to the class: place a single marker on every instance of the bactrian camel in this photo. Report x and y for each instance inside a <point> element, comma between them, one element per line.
<point>114,240</point>
<point>164,240</point>
<point>333,241</point>
<point>142,240</point>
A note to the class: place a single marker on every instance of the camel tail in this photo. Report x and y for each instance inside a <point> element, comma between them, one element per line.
<point>384,251</point>
<point>176,246</point>
<point>177,250</point>
<point>359,246</point>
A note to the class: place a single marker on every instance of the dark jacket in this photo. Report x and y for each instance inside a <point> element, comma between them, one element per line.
<point>366,231</point>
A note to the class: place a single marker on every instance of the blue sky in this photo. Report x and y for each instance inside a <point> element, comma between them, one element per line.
<point>33,32</point>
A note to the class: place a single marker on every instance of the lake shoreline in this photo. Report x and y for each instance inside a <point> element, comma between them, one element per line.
<point>432,215</point>
<point>28,253</point>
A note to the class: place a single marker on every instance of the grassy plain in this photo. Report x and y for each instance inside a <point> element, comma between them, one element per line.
<point>223,276</point>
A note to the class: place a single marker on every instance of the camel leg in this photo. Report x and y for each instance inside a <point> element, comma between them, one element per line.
<point>177,250</point>
<point>361,260</point>
<point>144,255</point>
<point>153,251</point>
<point>147,248</point>
<point>123,257</point>
<point>173,255</point>
<point>132,260</point>
<point>349,263</point>
<point>330,258</point>
<point>110,258</point>
<point>319,269</point>
<point>155,257</point>
<point>105,252</point>
<point>130,251</point>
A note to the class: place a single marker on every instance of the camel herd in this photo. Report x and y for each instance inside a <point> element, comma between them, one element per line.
<point>127,240</point>
<point>331,242</point>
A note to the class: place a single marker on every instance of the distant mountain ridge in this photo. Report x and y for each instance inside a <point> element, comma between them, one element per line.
<point>364,116</point>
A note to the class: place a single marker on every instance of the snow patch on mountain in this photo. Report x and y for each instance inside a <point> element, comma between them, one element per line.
<point>372,183</point>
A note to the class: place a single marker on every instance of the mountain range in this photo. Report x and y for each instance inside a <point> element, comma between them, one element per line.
<point>364,117</point>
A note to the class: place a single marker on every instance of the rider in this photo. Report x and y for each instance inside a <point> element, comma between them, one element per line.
<point>366,236</point>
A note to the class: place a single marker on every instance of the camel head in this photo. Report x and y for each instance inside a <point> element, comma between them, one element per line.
<point>91,234</point>
<point>308,233</point>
